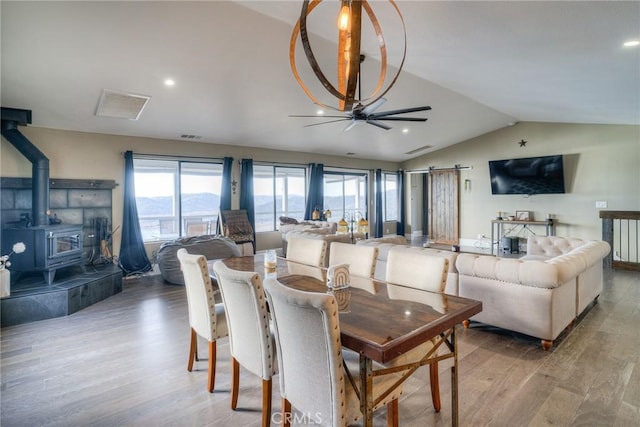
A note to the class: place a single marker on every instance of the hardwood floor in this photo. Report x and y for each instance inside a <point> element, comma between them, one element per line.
<point>122,362</point>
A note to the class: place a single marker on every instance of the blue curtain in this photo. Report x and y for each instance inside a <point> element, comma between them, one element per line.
<point>133,257</point>
<point>401,204</point>
<point>315,198</point>
<point>246,195</point>
<point>225,191</point>
<point>378,214</point>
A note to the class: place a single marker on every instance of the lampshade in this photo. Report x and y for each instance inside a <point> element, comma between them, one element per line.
<point>343,227</point>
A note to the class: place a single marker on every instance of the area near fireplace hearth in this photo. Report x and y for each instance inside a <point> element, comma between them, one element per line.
<point>65,226</point>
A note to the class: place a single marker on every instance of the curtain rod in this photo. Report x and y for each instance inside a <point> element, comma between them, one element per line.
<point>169,156</point>
<point>433,169</point>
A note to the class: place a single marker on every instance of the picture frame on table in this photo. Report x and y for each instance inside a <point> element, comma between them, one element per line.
<point>523,216</point>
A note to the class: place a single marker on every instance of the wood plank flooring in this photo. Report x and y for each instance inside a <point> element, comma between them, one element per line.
<point>122,362</point>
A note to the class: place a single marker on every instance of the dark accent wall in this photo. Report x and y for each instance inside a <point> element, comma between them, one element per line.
<point>72,201</point>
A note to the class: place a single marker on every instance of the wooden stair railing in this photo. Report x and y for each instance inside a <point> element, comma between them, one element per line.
<point>620,230</point>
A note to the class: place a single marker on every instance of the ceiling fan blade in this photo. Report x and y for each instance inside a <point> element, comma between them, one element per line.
<point>350,126</point>
<point>403,119</point>
<point>369,109</point>
<point>330,121</point>
<point>400,111</point>
<point>316,116</point>
<point>380,125</point>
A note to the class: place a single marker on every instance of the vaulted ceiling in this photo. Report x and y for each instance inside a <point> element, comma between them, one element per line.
<point>479,65</point>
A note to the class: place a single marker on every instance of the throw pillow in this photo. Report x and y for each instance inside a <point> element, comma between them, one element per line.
<point>287,220</point>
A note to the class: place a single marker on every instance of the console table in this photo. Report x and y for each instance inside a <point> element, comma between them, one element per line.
<point>497,228</point>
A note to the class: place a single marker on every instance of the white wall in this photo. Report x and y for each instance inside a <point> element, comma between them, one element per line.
<point>78,155</point>
<point>601,164</point>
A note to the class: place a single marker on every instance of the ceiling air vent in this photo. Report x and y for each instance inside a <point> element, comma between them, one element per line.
<point>121,105</point>
<point>417,150</point>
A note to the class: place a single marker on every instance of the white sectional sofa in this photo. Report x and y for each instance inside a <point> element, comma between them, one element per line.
<point>539,294</point>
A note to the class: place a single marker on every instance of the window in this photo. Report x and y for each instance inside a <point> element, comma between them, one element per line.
<point>176,198</point>
<point>278,191</point>
<point>390,196</point>
<point>345,194</point>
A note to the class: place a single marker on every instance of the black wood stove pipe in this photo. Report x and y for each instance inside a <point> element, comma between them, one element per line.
<point>11,118</point>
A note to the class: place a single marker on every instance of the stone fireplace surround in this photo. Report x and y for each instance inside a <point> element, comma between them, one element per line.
<point>72,201</point>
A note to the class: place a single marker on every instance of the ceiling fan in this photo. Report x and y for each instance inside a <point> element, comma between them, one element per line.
<point>366,114</point>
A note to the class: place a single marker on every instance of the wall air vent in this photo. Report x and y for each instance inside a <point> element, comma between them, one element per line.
<point>189,136</point>
<point>417,150</point>
<point>121,105</point>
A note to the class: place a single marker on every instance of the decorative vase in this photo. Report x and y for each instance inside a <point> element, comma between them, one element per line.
<point>5,283</point>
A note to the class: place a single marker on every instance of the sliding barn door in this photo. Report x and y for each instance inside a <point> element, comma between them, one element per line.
<point>442,205</point>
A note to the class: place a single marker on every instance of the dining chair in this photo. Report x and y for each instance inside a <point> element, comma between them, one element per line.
<point>307,251</point>
<point>422,271</point>
<point>206,318</point>
<point>250,339</point>
<point>417,269</point>
<point>361,258</point>
<point>313,377</point>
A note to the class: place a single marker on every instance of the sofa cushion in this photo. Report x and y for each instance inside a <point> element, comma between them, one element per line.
<point>529,273</point>
<point>551,246</point>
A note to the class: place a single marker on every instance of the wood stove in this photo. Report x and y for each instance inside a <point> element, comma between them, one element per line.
<point>48,248</point>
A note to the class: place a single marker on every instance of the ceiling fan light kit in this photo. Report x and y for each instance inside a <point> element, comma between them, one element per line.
<point>349,57</point>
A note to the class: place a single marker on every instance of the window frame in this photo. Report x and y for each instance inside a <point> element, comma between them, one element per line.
<point>385,193</point>
<point>365,176</point>
<point>275,213</point>
<point>177,217</point>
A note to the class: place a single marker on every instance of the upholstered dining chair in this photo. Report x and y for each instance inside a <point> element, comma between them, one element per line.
<point>361,258</point>
<point>251,342</point>
<point>307,251</point>
<point>419,270</point>
<point>206,318</point>
<point>312,372</point>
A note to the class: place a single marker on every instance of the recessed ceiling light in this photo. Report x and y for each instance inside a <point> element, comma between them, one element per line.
<point>169,82</point>
<point>320,112</point>
<point>405,130</point>
<point>632,43</point>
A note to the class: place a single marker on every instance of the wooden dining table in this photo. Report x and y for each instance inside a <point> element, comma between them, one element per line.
<point>381,321</point>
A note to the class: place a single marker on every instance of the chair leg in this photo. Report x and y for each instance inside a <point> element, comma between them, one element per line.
<point>286,413</point>
<point>392,413</point>
<point>193,350</point>
<point>235,382</point>
<point>211,377</point>
<point>266,403</point>
<point>435,385</point>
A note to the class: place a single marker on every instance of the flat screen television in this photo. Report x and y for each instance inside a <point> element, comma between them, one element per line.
<point>530,175</point>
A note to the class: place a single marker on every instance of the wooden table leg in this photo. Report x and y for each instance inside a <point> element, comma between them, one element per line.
<point>366,391</point>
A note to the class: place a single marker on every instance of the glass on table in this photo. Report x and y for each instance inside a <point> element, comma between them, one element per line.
<point>270,262</point>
